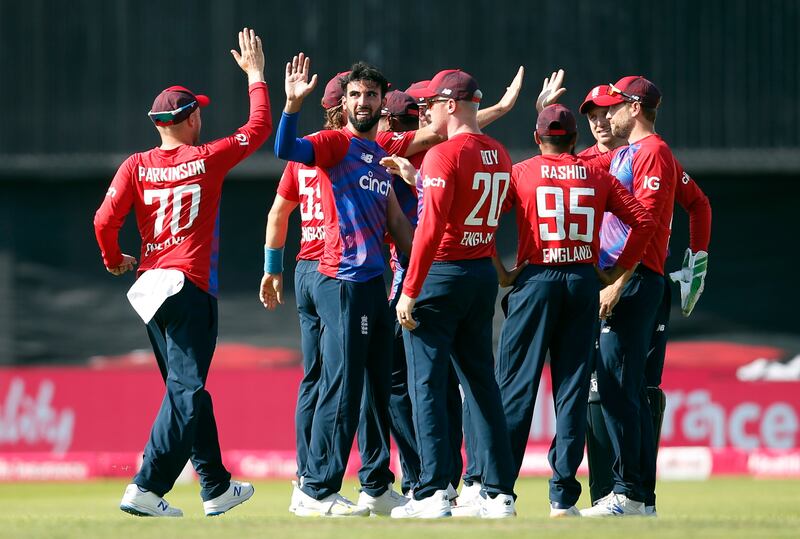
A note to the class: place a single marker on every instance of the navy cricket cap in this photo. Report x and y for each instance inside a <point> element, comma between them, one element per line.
<point>175,104</point>
<point>400,104</point>
<point>556,120</point>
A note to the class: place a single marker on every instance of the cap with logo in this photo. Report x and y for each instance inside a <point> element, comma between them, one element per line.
<point>595,98</point>
<point>400,104</point>
<point>333,91</point>
<point>450,83</point>
<point>631,89</point>
<point>174,104</point>
<point>556,120</point>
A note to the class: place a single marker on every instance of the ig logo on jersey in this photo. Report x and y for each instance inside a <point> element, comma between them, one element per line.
<point>652,182</point>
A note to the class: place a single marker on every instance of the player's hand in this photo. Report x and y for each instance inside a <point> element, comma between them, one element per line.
<point>400,166</point>
<point>404,308</point>
<point>507,278</point>
<point>609,276</point>
<point>551,90</point>
<point>128,263</point>
<point>691,278</point>
<point>271,291</point>
<point>251,59</point>
<point>512,91</point>
<point>297,84</point>
<point>609,297</point>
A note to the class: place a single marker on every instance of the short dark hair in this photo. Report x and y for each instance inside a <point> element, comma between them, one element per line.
<point>404,122</point>
<point>649,114</point>
<point>562,143</point>
<point>362,71</point>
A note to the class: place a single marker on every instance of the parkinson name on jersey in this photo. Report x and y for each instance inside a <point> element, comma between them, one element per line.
<point>170,174</point>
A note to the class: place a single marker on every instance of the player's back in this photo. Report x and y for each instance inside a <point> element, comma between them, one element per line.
<point>560,203</point>
<point>301,183</point>
<point>479,171</point>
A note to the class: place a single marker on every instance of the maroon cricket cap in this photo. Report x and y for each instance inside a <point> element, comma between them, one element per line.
<point>333,91</point>
<point>634,89</point>
<point>415,87</point>
<point>400,104</point>
<point>597,97</point>
<point>174,104</point>
<point>451,83</point>
<point>556,120</point>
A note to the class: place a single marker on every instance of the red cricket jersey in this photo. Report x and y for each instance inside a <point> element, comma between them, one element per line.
<point>560,204</point>
<point>175,194</point>
<point>395,142</point>
<point>300,183</point>
<point>464,181</point>
<point>695,202</point>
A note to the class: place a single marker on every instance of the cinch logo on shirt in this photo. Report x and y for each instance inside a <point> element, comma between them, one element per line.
<point>367,157</point>
<point>371,183</point>
<point>169,174</point>
<point>433,182</point>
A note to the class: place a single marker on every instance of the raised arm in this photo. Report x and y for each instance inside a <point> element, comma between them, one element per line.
<point>506,103</point>
<point>297,86</point>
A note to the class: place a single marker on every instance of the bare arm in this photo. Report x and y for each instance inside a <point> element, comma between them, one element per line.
<point>271,289</point>
<point>398,225</point>
<point>506,103</point>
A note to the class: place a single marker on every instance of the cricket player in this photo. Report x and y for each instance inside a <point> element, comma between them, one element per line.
<point>359,208</point>
<point>553,305</point>
<point>448,296</point>
<point>175,192</point>
<point>628,308</point>
<point>692,199</point>
<point>299,186</point>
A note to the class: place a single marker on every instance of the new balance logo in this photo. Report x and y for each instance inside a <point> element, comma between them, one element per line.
<point>661,328</point>
<point>112,192</point>
<point>237,491</point>
<point>163,505</point>
<point>367,157</point>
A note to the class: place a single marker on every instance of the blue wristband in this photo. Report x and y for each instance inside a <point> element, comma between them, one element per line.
<point>273,260</point>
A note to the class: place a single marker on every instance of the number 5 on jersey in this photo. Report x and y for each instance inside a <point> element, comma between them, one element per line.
<point>550,205</point>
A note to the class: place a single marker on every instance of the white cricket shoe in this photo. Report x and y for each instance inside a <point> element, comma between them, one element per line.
<point>334,505</point>
<point>295,497</point>
<point>501,506</point>
<point>435,506</point>
<point>144,503</point>
<point>614,505</point>
<point>559,511</point>
<point>468,503</point>
<point>238,492</point>
<point>650,511</point>
<point>383,504</point>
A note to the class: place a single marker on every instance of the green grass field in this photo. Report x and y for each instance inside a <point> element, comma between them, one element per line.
<point>730,507</point>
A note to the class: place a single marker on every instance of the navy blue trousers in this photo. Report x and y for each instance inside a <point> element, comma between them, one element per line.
<point>356,339</point>
<point>455,311</point>
<point>624,343</point>
<point>306,280</point>
<point>550,309</point>
<point>183,333</point>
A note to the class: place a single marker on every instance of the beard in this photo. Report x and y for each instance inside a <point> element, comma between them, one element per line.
<point>363,126</point>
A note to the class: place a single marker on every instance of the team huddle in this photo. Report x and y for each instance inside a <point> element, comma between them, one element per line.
<point>412,169</point>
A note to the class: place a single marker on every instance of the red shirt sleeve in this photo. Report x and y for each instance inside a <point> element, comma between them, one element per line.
<point>112,212</point>
<point>395,143</point>
<point>625,206</point>
<point>287,188</point>
<point>226,152</point>
<point>330,147</point>
<point>692,199</point>
<point>437,198</point>
<point>651,172</point>
<point>601,161</point>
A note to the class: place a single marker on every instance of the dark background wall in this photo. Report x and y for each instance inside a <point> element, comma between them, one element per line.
<point>79,77</point>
